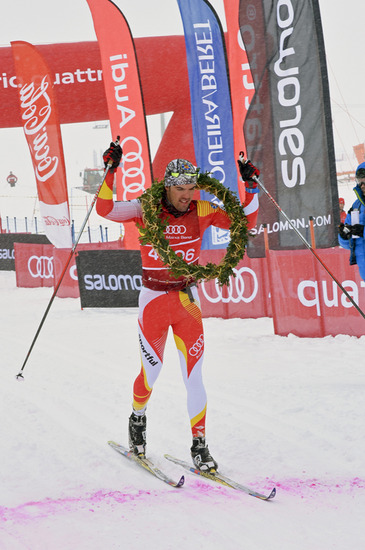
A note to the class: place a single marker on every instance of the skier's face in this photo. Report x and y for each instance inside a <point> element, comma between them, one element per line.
<point>180,196</point>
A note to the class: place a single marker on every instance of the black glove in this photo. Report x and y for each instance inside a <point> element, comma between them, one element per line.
<point>248,171</point>
<point>113,155</point>
<point>345,231</point>
<point>357,230</point>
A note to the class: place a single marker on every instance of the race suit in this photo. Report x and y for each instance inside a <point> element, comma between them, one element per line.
<point>166,301</point>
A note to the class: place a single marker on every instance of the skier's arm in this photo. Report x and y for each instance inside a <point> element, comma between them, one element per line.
<point>106,207</point>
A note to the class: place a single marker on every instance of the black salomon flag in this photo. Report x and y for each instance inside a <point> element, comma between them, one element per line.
<point>288,128</point>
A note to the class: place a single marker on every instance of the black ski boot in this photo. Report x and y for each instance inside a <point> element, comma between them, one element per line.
<point>201,456</point>
<point>137,434</point>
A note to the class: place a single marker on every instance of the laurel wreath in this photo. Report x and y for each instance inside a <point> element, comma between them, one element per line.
<point>153,232</point>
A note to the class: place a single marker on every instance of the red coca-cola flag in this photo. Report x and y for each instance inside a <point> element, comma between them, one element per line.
<point>42,130</point>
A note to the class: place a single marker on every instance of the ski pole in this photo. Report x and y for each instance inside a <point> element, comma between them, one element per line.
<point>308,245</point>
<point>58,284</point>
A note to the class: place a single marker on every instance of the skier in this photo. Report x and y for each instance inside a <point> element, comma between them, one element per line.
<point>166,301</point>
<point>351,232</point>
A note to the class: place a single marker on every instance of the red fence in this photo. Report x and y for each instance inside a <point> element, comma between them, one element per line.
<point>290,286</point>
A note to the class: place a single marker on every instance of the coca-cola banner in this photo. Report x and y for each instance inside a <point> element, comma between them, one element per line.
<point>109,278</point>
<point>33,265</point>
<point>42,131</point>
<point>124,97</point>
<point>307,302</point>
<point>7,253</point>
<point>210,102</point>
<point>288,128</point>
<point>246,296</point>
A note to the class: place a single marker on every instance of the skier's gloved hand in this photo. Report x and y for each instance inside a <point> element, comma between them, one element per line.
<point>113,156</point>
<point>357,230</point>
<point>247,171</point>
<point>345,231</point>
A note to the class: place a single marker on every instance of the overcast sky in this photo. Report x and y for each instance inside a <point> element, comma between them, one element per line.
<point>49,21</point>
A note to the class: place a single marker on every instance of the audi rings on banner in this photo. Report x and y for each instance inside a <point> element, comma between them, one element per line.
<point>235,291</point>
<point>41,266</point>
<point>133,167</point>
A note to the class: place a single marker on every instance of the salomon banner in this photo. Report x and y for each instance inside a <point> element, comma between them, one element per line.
<point>7,252</point>
<point>288,128</point>
<point>42,131</point>
<point>124,97</point>
<point>210,102</point>
<point>109,278</point>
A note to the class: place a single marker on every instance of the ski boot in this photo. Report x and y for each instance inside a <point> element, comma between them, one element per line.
<point>137,434</point>
<point>201,456</point>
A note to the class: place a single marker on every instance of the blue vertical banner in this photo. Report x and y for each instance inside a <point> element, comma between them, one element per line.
<point>210,97</point>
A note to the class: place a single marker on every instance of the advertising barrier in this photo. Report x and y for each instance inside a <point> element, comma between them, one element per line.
<point>109,278</point>
<point>69,287</point>
<point>7,240</point>
<point>33,265</point>
<point>247,295</point>
<point>305,299</point>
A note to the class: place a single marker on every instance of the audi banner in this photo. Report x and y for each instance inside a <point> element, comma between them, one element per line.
<point>7,253</point>
<point>288,127</point>
<point>109,278</point>
<point>43,134</point>
<point>124,97</point>
<point>210,102</point>
<point>247,295</point>
<point>34,265</point>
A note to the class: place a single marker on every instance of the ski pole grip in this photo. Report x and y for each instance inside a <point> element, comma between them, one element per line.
<point>116,142</point>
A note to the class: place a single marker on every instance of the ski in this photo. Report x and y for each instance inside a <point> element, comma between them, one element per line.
<point>146,464</point>
<point>222,479</point>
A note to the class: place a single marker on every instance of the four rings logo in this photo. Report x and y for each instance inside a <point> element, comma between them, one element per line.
<point>235,291</point>
<point>197,348</point>
<point>41,266</point>
<point>133,167</point>
<point>175,230</point>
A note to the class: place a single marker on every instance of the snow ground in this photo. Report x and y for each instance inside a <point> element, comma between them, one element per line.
<point>281,411</point>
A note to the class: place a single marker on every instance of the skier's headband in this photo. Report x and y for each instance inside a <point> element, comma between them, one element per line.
<point>180,172</point>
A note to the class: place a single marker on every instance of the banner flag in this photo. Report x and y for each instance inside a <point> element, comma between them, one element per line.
<point>124,97</point>
<point>242,86</point>
<point>210,102</point>
<point>288,128</point>
<point>42,130</point>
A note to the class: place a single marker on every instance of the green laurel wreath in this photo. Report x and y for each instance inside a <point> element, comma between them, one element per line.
<point>153,232</point>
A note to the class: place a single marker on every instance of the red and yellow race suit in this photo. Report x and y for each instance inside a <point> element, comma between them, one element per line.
<point>166,301</point>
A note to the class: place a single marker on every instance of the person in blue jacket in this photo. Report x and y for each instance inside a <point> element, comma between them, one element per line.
<point>351,233</point>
